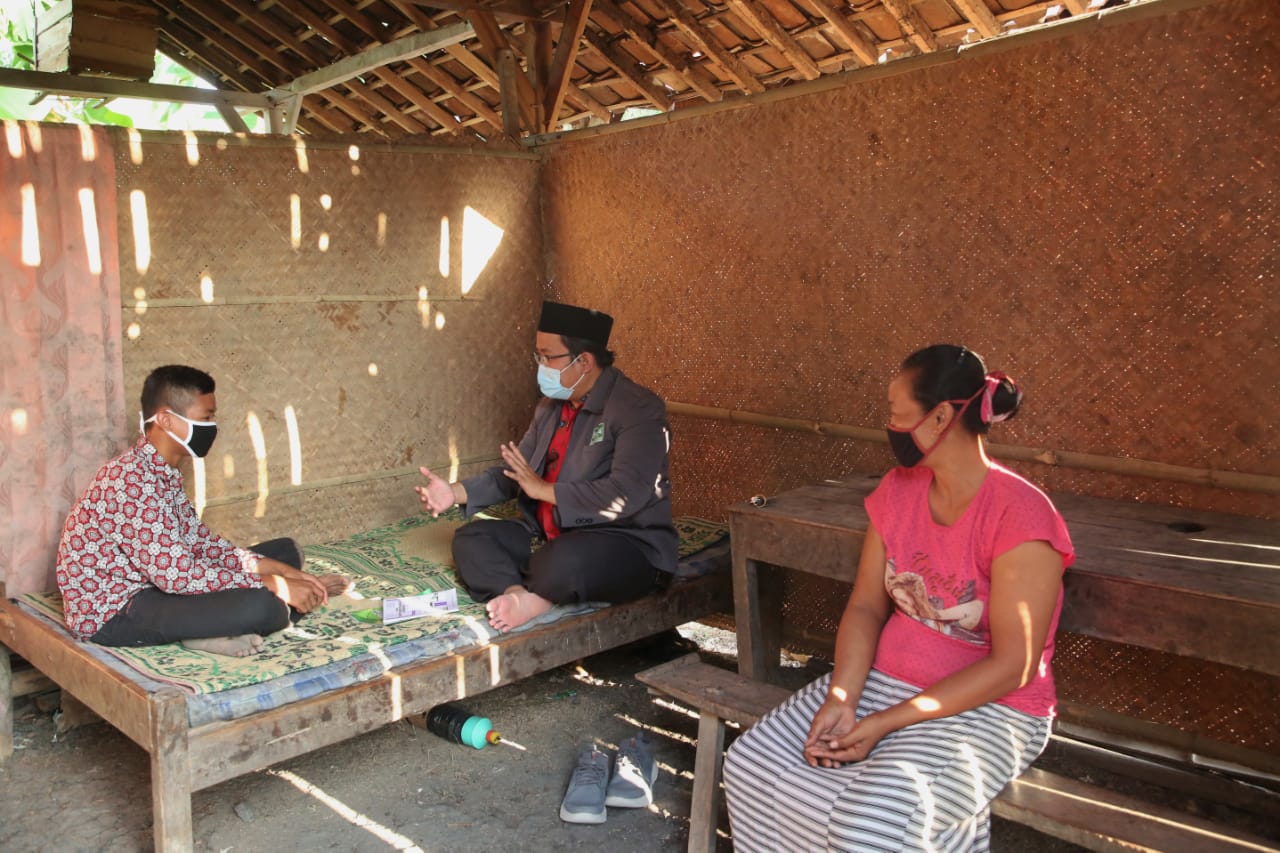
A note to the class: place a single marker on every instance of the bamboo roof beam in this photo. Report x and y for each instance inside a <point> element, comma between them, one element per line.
<point>630,71</point>
<point>562,63</point>
<point>270,55</point>
<point>864,50</point>
<point>643,34</point>
<point>435,75</point>
<point>912,25</point>
<point>977,13</point>
<point>759,19</point>
<point>689,27</point>
<point>495,43</point>
<point>280,31</point>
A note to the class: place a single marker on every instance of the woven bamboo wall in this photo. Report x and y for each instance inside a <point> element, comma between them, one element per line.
<point>321,311</point>
<point>1096,214</point>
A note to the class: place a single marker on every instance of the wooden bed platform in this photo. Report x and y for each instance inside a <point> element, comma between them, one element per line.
<point>185,759</point>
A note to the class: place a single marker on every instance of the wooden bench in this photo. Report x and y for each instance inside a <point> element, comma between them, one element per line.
<point>1077,812</point>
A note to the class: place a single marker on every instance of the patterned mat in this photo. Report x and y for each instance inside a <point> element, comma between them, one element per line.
<point>406,558</point>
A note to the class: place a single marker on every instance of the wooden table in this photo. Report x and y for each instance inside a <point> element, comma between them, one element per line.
<point>1205,585</point>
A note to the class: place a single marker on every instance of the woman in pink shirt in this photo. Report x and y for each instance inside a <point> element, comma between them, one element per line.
<point>942,690</point>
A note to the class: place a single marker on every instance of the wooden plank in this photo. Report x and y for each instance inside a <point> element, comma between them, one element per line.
<point>692,30</point>
<point>642,33</point>
<point>760,20</point>
<point>727,694</point>
<point>627,66</point>
<point>507,73</point>
<point>30,680</point>
<point>494,41</point>
<point>864,50</point>
<point>71,84</point>
<point>708,769</point>
<point>112,695</point>
<point>170,773</point>
<point>912,25</point>
<point>977,13</point>
<point>377,57</point>
<point>223,750</point>
<point>1100,819</point>
<point>562,63</point>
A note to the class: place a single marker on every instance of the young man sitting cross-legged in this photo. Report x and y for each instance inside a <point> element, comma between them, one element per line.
<point>137,567</point>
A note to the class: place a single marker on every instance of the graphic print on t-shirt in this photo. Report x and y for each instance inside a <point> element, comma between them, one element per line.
<point>943,603</point>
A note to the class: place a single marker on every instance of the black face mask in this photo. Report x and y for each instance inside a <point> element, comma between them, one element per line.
<point>199,441</point>
<point>904,447</point>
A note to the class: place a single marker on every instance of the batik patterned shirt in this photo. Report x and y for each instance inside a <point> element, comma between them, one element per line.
<point>135,528</point>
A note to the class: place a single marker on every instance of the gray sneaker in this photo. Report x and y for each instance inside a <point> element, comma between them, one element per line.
<point>584,801</point>
<point>633,776</point>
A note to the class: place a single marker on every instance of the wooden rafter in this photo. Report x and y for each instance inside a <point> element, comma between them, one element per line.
<point>277,29</point>
<point>1077,7</point>
<point>688,25</point>
<point>977,13</point>
<point>268,55</point>
<point>644,35</point>
<point>495,43</point>
<point>627,66</point>
<point>504,9</point>
<point>575,24</point>
<point>435,75</point>
<point>912,25</point>
<point>374,58</point>
<point>758,17</point>
<point>864,50</point>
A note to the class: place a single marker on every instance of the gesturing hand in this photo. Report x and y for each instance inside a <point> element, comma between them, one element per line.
<point>436,495</point>
<point>533,485</point>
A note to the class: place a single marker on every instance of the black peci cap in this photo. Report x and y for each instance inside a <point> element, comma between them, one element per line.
<point>574,322</point>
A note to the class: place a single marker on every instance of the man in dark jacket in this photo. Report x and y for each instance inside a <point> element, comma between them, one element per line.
<point>591,479</point>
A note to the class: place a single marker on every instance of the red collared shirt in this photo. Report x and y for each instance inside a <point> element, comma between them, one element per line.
<point>555,460</point>
<point>134,528</point>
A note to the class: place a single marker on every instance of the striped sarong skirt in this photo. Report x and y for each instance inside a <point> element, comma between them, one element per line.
<point>928,786</point>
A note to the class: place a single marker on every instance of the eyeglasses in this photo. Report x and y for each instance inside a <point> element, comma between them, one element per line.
<point>539,358</point>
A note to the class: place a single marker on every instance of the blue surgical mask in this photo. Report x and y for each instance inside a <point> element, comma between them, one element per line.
<point>549,382</point>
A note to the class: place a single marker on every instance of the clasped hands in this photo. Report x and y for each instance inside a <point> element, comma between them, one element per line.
<point>299,590</point>
<point>837,737</point>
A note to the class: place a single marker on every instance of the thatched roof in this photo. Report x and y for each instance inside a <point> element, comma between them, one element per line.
<point>579,63</point>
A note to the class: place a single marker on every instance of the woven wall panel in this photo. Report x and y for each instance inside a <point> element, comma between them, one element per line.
<point>456,385</point>
<point>1104,231</point>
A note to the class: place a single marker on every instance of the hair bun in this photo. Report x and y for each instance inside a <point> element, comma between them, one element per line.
<point>1001,397</point>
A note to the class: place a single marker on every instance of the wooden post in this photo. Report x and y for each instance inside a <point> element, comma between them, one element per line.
<point>170,773</point>
<point>704,810</point>
<point>6,705</point>
<point>74,713</point>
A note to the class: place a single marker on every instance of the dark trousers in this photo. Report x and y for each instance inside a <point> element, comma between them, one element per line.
<point>581,565</point>
<point>153,618</point>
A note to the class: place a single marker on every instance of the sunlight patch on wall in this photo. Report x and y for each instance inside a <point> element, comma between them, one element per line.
<point>260,454</point>
<point>373,369</point>
<point>480,240</point>
<point>326,201</point>
<point>88,145</point>
<point>13,138</point>
<point>439,321</point>
<point>89,219</point>
<point>454,462</point>
<point>206,288</point>
<point>139,301</point>
<point>193,148</point>
<point>34,139</point>
<point>323,242</point>
<point>198,484</point>
<point>300,148</point>
<point>295,220</point>
<point>18,421</point>
<point>382,229</point>
<point>444,247</point>
<point>228,467</point>
<point>30,228</point>
<point>141,230</point>
<point>295,446</point>
<point>134,331</point>
<point>135,147</point>
<point>424,307</point>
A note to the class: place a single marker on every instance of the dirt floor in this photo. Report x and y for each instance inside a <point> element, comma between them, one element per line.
<point>400,788</point>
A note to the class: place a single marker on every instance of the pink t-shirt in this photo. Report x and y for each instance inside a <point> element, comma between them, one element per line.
<point>939,576</point>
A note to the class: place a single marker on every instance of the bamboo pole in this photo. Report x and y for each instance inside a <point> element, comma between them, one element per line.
<point>189,302</point>
<point>1236,480</point>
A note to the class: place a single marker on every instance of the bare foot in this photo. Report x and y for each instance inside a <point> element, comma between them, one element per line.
<point>513,609</point>
<point>234,647</point>
<point>336,585</point>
